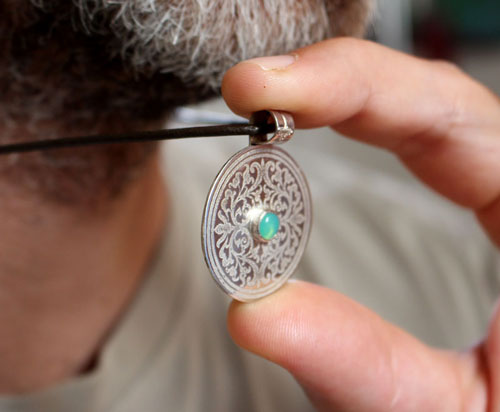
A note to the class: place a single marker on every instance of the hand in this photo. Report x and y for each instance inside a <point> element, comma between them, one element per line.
<point>445,128</point>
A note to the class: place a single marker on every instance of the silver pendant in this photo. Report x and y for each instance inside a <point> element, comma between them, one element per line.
<point>257,216</point>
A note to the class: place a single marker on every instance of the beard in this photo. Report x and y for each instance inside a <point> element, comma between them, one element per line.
<point>97,66</point>
<point>198,40</point>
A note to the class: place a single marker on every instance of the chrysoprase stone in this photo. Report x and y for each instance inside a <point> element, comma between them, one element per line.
<point>269,225</point>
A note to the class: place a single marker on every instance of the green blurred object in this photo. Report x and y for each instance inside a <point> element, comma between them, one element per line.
<point>472,18</point>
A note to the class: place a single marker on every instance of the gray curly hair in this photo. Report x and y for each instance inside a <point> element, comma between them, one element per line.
<point>70,67</point>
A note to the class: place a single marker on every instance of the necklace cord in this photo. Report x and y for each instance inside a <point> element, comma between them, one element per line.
<point>137,137</point>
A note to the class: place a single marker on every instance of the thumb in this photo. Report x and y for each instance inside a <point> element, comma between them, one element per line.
<point>348,358</point>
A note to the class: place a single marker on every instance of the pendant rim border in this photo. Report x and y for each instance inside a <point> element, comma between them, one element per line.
<point>238,294</point>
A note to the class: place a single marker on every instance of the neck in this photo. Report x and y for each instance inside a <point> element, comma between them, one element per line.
<point>65,276</point>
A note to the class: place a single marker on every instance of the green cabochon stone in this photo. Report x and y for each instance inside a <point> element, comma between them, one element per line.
<point>269,225</point>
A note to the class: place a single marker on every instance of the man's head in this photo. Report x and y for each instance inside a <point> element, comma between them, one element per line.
<point>85,66</point>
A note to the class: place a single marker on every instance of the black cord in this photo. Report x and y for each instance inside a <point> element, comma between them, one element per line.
<point>135,137</point>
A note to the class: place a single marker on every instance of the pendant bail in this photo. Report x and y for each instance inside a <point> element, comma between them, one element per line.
<point>283,121</point>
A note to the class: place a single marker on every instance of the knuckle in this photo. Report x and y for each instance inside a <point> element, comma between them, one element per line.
<point>449,73</point>
<point>447,67</point>
<point>347,47</point>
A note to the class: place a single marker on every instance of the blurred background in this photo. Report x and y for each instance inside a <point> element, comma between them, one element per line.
<point>466,32</point>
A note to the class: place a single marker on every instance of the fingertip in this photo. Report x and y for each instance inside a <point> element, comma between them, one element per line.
<point>245,88</point>
<point>249,323</point>
<point>275,327</point>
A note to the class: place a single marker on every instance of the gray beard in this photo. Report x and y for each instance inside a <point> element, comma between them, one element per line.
<point>87,66</point>
<point>198,40</point>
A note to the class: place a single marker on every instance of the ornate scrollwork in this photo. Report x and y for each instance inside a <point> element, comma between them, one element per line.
<point>264,178</point>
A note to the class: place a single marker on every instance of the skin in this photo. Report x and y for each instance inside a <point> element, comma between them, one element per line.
<point>59,301</point>
<point>445,127</point>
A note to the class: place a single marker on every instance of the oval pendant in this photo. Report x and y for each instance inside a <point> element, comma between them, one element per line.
<point>256,222</point>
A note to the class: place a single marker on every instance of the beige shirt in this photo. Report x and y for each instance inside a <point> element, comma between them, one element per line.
<point>384,241</point>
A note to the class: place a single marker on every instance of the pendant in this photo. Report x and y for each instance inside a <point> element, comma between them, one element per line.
<point>257,216</point>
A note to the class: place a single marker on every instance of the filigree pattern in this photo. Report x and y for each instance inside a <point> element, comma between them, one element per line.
<point>266,178</point>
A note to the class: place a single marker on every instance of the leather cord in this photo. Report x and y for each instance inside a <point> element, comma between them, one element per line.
<point>137,137</point>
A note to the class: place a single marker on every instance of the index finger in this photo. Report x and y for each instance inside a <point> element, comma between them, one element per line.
<point>442,124</point>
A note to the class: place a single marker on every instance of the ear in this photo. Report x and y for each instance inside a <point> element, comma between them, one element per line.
<point>350,17</point>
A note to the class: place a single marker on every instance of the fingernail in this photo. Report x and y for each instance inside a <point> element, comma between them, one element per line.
<point>274,62</point>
